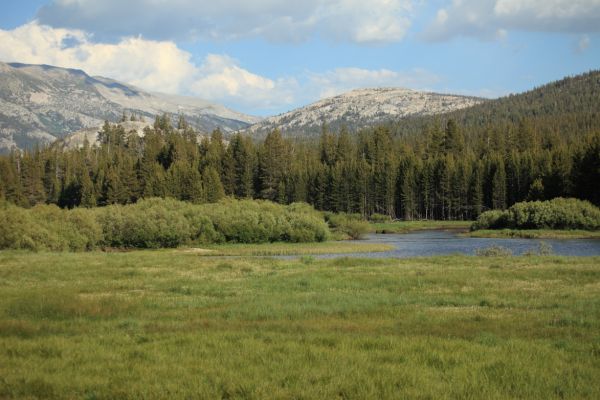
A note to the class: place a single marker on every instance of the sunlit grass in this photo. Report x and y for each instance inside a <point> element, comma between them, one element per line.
<point>173,324</point>
<point>285,249</point>
<point>408,226</point>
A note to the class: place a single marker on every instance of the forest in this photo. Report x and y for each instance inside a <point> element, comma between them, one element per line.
<point>445,168</point>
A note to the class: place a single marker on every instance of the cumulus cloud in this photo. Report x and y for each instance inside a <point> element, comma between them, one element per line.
<point>161,66</point>
<point>220,78</point>
<point>158,66</point>
<point>149,64</point>
<point>491,19</point>
<point>359,21</point>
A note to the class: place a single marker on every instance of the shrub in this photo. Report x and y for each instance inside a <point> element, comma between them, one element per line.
<point>495,219</point>
<point>152,223</point>
<point>349,224</point>
<point>554,214</point>
<point>47,227</point>
<point>157,223</point>
<point>247,221</point>
<point>306,224</point>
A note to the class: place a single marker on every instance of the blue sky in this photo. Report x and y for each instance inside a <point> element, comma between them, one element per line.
<point>268,56</point>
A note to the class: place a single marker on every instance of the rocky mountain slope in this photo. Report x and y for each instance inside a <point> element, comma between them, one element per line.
<point>361,108</point>
<point>40,103</point>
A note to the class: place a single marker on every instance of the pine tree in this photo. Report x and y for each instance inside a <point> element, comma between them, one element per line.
<point>499,186</point>
<point>86,190</point>
<point>476,190</point>
<point>212,185</point>
<point>272,165</point>
<point>112,191</point>
<point>453,141</point>
<point>31,179</point>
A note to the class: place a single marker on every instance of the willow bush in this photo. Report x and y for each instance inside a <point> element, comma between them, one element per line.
<point>158,223</point>
<point>558,213</point>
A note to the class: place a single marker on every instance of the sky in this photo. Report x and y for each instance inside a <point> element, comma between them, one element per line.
<point>265,57</point>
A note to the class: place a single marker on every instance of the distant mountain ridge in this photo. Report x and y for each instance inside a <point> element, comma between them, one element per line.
<point>361,108</point>
<point>551,109</point>
<point>42,103</point>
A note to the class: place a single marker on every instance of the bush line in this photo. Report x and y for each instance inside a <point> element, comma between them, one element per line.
<point>158,223</point>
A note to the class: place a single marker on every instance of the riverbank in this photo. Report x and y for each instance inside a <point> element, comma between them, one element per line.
<point>534,234</point>
<point>98,325</point>
<point>411,226</point>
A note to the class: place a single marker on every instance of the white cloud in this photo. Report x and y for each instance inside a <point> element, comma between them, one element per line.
<point>161,66</point>
<point>151,65</point>
<point>489,19</point>
<point>359,21</point>
<point>220,78</point>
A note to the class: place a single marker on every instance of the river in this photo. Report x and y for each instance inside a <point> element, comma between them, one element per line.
<point>445,242</point>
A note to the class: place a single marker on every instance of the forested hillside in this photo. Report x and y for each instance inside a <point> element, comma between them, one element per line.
<point>569,107</point>
<point>455,167</point>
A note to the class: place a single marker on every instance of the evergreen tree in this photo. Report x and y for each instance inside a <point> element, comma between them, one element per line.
<point>272,165</point>
<point>499,186</point>
<point>212,184</point>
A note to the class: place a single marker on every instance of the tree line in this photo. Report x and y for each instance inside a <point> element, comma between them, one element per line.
<point>439,173</point>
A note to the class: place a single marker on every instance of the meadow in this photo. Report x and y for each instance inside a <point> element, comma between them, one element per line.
<point>172,324</point>
<point>411,226</point>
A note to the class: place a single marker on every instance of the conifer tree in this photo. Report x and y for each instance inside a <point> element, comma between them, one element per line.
<point>499,185</point>
<point>212,185</point>
<point>272,165</point>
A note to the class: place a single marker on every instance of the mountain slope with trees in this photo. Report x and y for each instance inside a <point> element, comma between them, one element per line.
<point>451,169</point>
<point>569,107</point>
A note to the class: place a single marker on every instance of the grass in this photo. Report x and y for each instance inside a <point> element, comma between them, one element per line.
<point>409,226</point>
<point>286,249</point>
<point>165,324</point>
<point>535,234</point>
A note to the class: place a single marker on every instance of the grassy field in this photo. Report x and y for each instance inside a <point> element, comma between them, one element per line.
<point>409,226</point>
<point>173,325</point>
<point>535,234</point>
<point>284,249</point>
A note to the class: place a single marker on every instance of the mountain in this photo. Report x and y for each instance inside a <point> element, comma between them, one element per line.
<point>569,107</point>
<point>40,103</point>
<point>361,108</point>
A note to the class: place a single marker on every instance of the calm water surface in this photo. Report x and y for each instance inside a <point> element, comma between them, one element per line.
<point>433,243</point>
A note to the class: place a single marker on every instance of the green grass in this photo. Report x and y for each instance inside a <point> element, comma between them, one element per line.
<point>409,226</point>
<point>173,325</point>
<point>535,234</point>
<point>286,249</point>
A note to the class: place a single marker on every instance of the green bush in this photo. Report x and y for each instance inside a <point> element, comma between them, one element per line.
<point>47,227</point>
<point>494,219</point>
<point>158,223</point>
<point>352,225</point>
<point>152,223</point>
<point>554,214</point>
<point>252,221</point>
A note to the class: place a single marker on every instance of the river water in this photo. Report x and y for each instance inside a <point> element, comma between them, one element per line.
<point>433,243</point>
